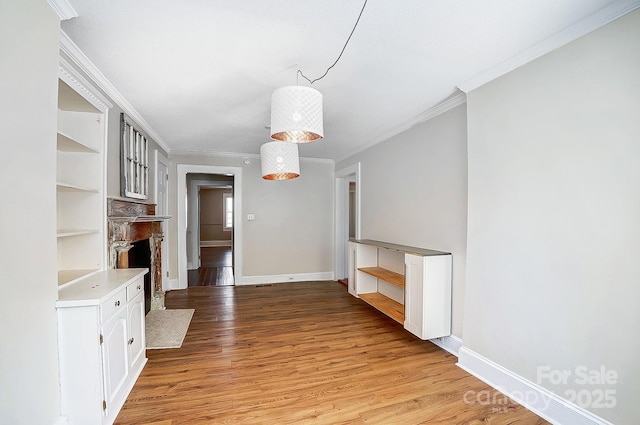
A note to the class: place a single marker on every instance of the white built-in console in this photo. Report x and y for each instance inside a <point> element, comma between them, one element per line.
<point>410,285</point>
<point>101,340</point>
<point>101,313</point>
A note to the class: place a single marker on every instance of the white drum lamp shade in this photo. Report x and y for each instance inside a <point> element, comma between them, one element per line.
<point>279,161</point>
<point>296,114</point>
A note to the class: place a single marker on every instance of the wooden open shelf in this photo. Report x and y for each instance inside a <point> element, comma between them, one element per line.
<point>387,275</point>
<point>391,308</point>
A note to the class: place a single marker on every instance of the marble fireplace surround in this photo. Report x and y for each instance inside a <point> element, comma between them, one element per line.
<point>131,221</point>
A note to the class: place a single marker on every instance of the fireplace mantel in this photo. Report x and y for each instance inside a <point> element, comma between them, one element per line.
<point>129,222</point>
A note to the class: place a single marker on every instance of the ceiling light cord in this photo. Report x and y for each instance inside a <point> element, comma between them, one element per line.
<point>341,52</point>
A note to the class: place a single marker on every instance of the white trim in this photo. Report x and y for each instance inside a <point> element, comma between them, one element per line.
<point>451,344</point>
<point>253,156</point>
<point>82,86</point>
<point>196,186</point>
<point>63,9</point>
<point>602,17</point>
<point>181,195</point>
<point>442,107</point>
<point>208,244</point>
<point>341,207</point>
<point>283,278</point>
<point>192,152</point>
<point>539,400</point>
<point>68,47</point>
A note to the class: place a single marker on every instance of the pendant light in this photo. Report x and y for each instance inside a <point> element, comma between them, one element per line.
<point>279,161</point>
<point>296,111</point>
<point>296,114</point>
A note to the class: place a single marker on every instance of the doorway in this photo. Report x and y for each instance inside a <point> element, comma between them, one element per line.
<point>190,180</point>
<point>347,216</point>
<point>210,228</point>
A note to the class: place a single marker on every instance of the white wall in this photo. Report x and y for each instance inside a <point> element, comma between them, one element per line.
<point>291,233</point>
<point>553,266</point>
<point>29,385</point>
<point>414,192</point>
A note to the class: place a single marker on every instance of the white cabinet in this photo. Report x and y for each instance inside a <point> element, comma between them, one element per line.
<point>101,342</point>
<point>135,320</point>
<point>115,359</point>
<point>80,205</point>
<point>411,285</point>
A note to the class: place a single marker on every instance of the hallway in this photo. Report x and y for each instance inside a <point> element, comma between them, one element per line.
<point>216,267</point>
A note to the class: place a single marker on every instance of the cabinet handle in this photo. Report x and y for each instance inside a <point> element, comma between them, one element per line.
<point>117,303</point>
<point>131,341</point>
<point>139,287</point>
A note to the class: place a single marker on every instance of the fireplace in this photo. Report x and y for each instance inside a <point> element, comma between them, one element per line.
<point>140,257</point>
<point>135,240</point>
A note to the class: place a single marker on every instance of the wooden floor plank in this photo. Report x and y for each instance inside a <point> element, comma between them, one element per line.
<point>298,353</point>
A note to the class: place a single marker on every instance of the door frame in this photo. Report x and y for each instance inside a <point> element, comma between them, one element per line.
<point>342,179</point>
<point>181,208</point>
<point>194,218</point>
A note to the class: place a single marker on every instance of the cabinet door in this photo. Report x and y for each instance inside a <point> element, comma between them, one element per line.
<point>115,358</point>
<point>135,314</point>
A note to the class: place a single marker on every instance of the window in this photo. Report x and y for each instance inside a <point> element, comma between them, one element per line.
<point>227,213</point>
<point>134,180</point>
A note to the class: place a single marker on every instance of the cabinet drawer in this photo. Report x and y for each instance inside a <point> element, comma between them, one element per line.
<point>117,301</point>
<point>134,288</point>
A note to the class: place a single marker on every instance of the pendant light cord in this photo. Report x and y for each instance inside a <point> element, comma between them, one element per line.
<point>341,52</point>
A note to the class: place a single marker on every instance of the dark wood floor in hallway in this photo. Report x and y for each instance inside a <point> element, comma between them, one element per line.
<point>304,353</point>
<point>216,267</point>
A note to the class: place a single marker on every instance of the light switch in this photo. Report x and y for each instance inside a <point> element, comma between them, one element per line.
<point>251,216</point>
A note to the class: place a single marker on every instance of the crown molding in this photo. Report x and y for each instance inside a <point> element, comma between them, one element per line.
<point>69,48</point>
<point>239,155</point>
<point>600,18</point>
<point>82,86</point>
<point>63,9</point>
<point>451,102</point>
<point>196,152</point>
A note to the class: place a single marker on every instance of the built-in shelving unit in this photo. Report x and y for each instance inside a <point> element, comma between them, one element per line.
<point>410,285</point>
<point>80,186</point>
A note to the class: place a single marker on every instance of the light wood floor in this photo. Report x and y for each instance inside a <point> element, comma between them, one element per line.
<point>304,353</point>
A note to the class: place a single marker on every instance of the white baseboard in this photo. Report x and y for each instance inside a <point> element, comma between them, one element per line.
<point>62,420</point>
<point>208,244</point>
<point>281,278</point>
<point>451,344</point>
<point>539,400</point>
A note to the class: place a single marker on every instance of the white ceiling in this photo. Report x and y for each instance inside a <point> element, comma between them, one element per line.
<point>201,72</point>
